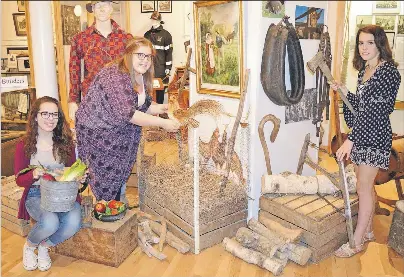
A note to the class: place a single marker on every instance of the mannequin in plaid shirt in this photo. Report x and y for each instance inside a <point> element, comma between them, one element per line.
<point>99,44</point>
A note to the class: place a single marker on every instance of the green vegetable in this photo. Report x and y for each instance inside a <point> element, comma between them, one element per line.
<point>76,171</point>
<point>108,211</point>
<point>22,171</point>
<point>121,208</point>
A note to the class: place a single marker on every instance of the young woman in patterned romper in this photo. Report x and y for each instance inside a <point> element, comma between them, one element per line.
<point>110,118</point>
<point>369,143</point>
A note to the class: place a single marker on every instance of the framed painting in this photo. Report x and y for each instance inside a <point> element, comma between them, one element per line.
<point>383,7</point>
<point>164,6</point>
<point>21,6</point>
<point>19,51</point>
<point>219,47</point>
<point>387,22</point>
<point>147,6</point>
<point>400,25</point>
<point>20,24</point>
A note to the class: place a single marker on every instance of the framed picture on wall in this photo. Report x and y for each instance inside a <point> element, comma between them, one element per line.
<point>219,47</point>
<point>4,65</point>
<point>20,24</point>
<point>19,51</point>
<point>400,25</point>
<point>387,22</point>
<point>23,64</point>
<point>164,6</point>
<point>70,24</point>
<point>147,6</point>
<point>382,7</point>
<point>21,6</point>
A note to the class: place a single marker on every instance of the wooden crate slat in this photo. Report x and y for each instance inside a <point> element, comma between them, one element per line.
<point>283,199</point>
<point>314,240</point>
<point>329,210</point>
<point>301,201</point>
<point>315,205</point>
<point>281,211</point>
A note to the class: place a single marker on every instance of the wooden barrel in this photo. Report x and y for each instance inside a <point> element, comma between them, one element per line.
<point>396,166</point>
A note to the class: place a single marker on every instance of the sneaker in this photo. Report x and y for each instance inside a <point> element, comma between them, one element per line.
<point>29,258</point>
<point>44,261</point>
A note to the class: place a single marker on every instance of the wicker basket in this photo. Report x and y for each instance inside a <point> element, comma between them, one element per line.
<point>58,196</point>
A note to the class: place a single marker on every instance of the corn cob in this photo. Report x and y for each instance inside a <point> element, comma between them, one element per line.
<point>76,171</point>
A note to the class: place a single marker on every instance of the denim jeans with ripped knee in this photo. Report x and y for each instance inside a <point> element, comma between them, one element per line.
<point>54,228</point>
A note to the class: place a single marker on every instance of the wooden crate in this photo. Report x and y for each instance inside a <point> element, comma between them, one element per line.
<point>324,228</point>
<point>211,233</point>
<point>10,201</point>
<point>108,243</point>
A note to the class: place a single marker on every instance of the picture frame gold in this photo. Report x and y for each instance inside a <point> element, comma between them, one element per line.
<point>21,6</point>
<point>219,56</point>
<point>20,24</point>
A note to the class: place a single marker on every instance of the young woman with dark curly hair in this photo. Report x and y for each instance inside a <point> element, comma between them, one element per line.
<point>369,143</point>
<point>48,142</point>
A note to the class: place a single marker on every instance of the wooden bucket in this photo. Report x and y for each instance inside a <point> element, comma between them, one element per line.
<point>396,167</point>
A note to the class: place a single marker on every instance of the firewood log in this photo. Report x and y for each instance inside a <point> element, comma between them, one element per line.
<point>298,184</point>
<point>293,235</point>
<point>300,254</point>
<point>255,241</point>
<point>400,205</point>
<point>273,265</point>
<point>172,240</point>
<point>275,238</point>
<point>147,248</point>
<point>148,233</point>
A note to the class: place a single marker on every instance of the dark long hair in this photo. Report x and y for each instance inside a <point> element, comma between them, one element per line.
<point>62,135</point>
<point>382,44</point>
<point>125,62</point>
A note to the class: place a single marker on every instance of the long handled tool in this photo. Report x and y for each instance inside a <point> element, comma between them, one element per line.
<point>340,183</point>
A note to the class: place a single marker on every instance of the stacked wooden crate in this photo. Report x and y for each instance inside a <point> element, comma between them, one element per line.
<point>324,228</point>
<point>10,202</point>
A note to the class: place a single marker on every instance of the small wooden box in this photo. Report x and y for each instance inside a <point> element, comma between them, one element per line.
<point>10,202</point>
<point>396,234</point>
<point>108,243</point>
<point>324,229</point>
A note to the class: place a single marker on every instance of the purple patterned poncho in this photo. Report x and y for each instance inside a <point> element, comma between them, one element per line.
<point>107,142</point>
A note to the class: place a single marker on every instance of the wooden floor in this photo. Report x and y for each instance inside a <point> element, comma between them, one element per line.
<point>377,260</point>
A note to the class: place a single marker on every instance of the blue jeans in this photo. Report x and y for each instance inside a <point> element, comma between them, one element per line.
<point>53,228</point>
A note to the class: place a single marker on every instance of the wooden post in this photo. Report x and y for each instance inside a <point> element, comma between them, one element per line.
<point>232,139</point>
<point>185,75</point>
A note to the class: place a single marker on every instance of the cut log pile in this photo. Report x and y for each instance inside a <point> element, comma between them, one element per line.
<point>268,244</point>
<point>150,232</point>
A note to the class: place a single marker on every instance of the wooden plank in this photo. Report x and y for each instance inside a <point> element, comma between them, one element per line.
<point>173,218</point>
<point>14,219</point>
<point>15,228</point>
<point>316,205</point>
<point>9,210</point>
<point>314,240</point>
<point>283,199</point>
<point>327,249</point>
<point>329,210</point>
<point>152,204</point>
<point>224,221</point>
<point>279,210</point>
<point>301,201</point>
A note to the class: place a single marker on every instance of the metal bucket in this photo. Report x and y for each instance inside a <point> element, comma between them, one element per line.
<point>58,196</point>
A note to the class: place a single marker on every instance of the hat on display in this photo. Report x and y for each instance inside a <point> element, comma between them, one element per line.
<point>156,16</point>
<point>89,6</point>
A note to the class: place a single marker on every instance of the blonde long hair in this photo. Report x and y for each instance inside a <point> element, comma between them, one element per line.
<point>125,62</point>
